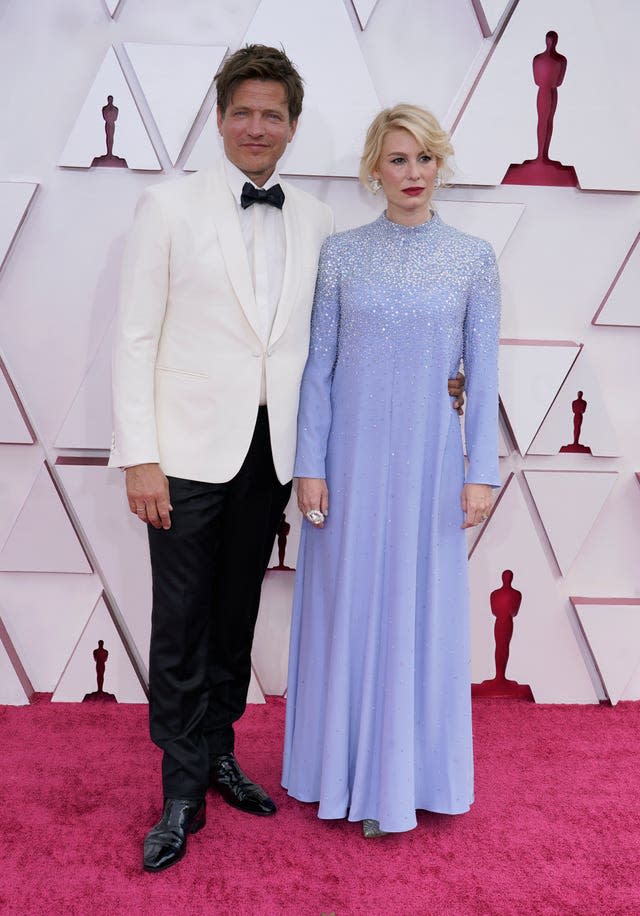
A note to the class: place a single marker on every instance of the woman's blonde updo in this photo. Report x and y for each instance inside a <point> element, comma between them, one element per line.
<point>421,124</point>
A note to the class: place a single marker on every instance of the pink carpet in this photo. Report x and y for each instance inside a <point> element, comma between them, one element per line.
<point>555,828</point>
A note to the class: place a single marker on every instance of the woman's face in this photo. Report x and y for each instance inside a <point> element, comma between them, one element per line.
<point>406,172</point>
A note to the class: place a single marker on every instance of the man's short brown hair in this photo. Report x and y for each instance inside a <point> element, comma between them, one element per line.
<point>260,62</point>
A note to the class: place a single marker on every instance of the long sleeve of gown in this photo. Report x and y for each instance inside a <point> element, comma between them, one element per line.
<point>481,337</point>
<point>314,412</point>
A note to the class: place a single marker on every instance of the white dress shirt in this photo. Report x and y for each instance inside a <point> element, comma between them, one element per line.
<point>263,233</point>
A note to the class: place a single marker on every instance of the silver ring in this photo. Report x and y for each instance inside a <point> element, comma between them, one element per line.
<point>315,516</point>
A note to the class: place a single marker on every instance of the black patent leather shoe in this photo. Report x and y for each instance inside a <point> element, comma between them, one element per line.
<point>227,778</point>
<point>166,843</point>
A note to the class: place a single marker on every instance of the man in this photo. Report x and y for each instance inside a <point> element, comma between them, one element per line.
<point>212,338</point>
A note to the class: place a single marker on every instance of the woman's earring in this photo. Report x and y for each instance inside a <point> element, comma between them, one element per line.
<point>438,182</point>
<point>374,184</point>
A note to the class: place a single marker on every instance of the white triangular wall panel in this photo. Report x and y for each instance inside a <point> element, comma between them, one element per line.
<point>340,100</point>
<point>44,615</point>
<point>43,538</point>
<point>632,688</point>
<point>494,222</point>
<point>505,97</point>
<point>544,652</point>
<point>113,6</point>
<point>89,423</point>
<point>364,9</point>
<point>119,541</point>
<point>270,655</point>
<point>504,449</point>
<point>87,139</point>
<point>569,503</point>
<point>175,100</point>
<point>612,628</point>
<point>531,374</point>
<point>255,693</point>
<point>13,428</point>
<point>621,305</point>
<point>79,676</point>
<point>207,148</point>
<point>597,431</point>
<point>19,467</point>
<point>15,198</point>
<point>12,693</point>
<point>13,669</point>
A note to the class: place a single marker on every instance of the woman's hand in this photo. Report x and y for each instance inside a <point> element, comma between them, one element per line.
<point>476,501</point>
<point>313,494</point>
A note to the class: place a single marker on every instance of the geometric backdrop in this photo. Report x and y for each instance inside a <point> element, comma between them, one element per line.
<point>133,80</point>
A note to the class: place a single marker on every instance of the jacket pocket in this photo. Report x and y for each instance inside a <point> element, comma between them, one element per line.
<point>184,372</point>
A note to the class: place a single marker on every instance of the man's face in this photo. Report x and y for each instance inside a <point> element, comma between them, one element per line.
<point>256,128</point>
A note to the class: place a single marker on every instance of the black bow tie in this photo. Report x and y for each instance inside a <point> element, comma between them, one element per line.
<point>251,195</point>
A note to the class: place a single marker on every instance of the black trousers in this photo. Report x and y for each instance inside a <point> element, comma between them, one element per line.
<point>207,571</point>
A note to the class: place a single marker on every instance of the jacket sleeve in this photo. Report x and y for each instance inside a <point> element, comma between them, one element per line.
<point>481,341</point>
<point>142,304</point>
<point>314,412</point>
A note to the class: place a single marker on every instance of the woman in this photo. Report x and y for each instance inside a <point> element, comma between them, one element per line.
<point>378,712</point>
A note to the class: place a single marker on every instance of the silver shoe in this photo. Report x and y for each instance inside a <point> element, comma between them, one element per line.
<point>371,829</point>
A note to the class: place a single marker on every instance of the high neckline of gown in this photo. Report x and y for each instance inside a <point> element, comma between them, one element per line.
<point>420,229</point>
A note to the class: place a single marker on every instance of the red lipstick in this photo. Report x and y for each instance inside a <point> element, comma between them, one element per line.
<point>412,192</point>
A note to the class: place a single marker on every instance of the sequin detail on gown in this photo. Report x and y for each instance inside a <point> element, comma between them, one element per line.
<point>378,710</point>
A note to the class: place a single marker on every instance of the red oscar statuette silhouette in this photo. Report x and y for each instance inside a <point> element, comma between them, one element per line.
<point>100,656</point>
<point>283,532</point>
<point>110,115</point>
<point>578,407</point>
<point>505,604</point>
<point>549,69</point>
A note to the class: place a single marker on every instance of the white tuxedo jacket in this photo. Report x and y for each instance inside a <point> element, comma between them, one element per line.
<point>188,355</point>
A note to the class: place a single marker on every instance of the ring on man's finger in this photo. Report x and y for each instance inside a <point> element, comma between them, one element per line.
<point>315,516</point>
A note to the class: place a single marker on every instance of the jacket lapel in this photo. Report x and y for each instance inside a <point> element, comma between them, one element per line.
<point>234,252</point>
<point>292,266</point>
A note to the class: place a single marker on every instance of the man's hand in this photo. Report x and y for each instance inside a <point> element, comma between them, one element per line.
<point>148,494</point>
<point>456,390</point>
<point>476,501</point>
<point>313,494</point>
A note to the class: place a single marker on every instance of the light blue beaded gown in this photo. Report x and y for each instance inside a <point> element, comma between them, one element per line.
<point>378,705</point>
